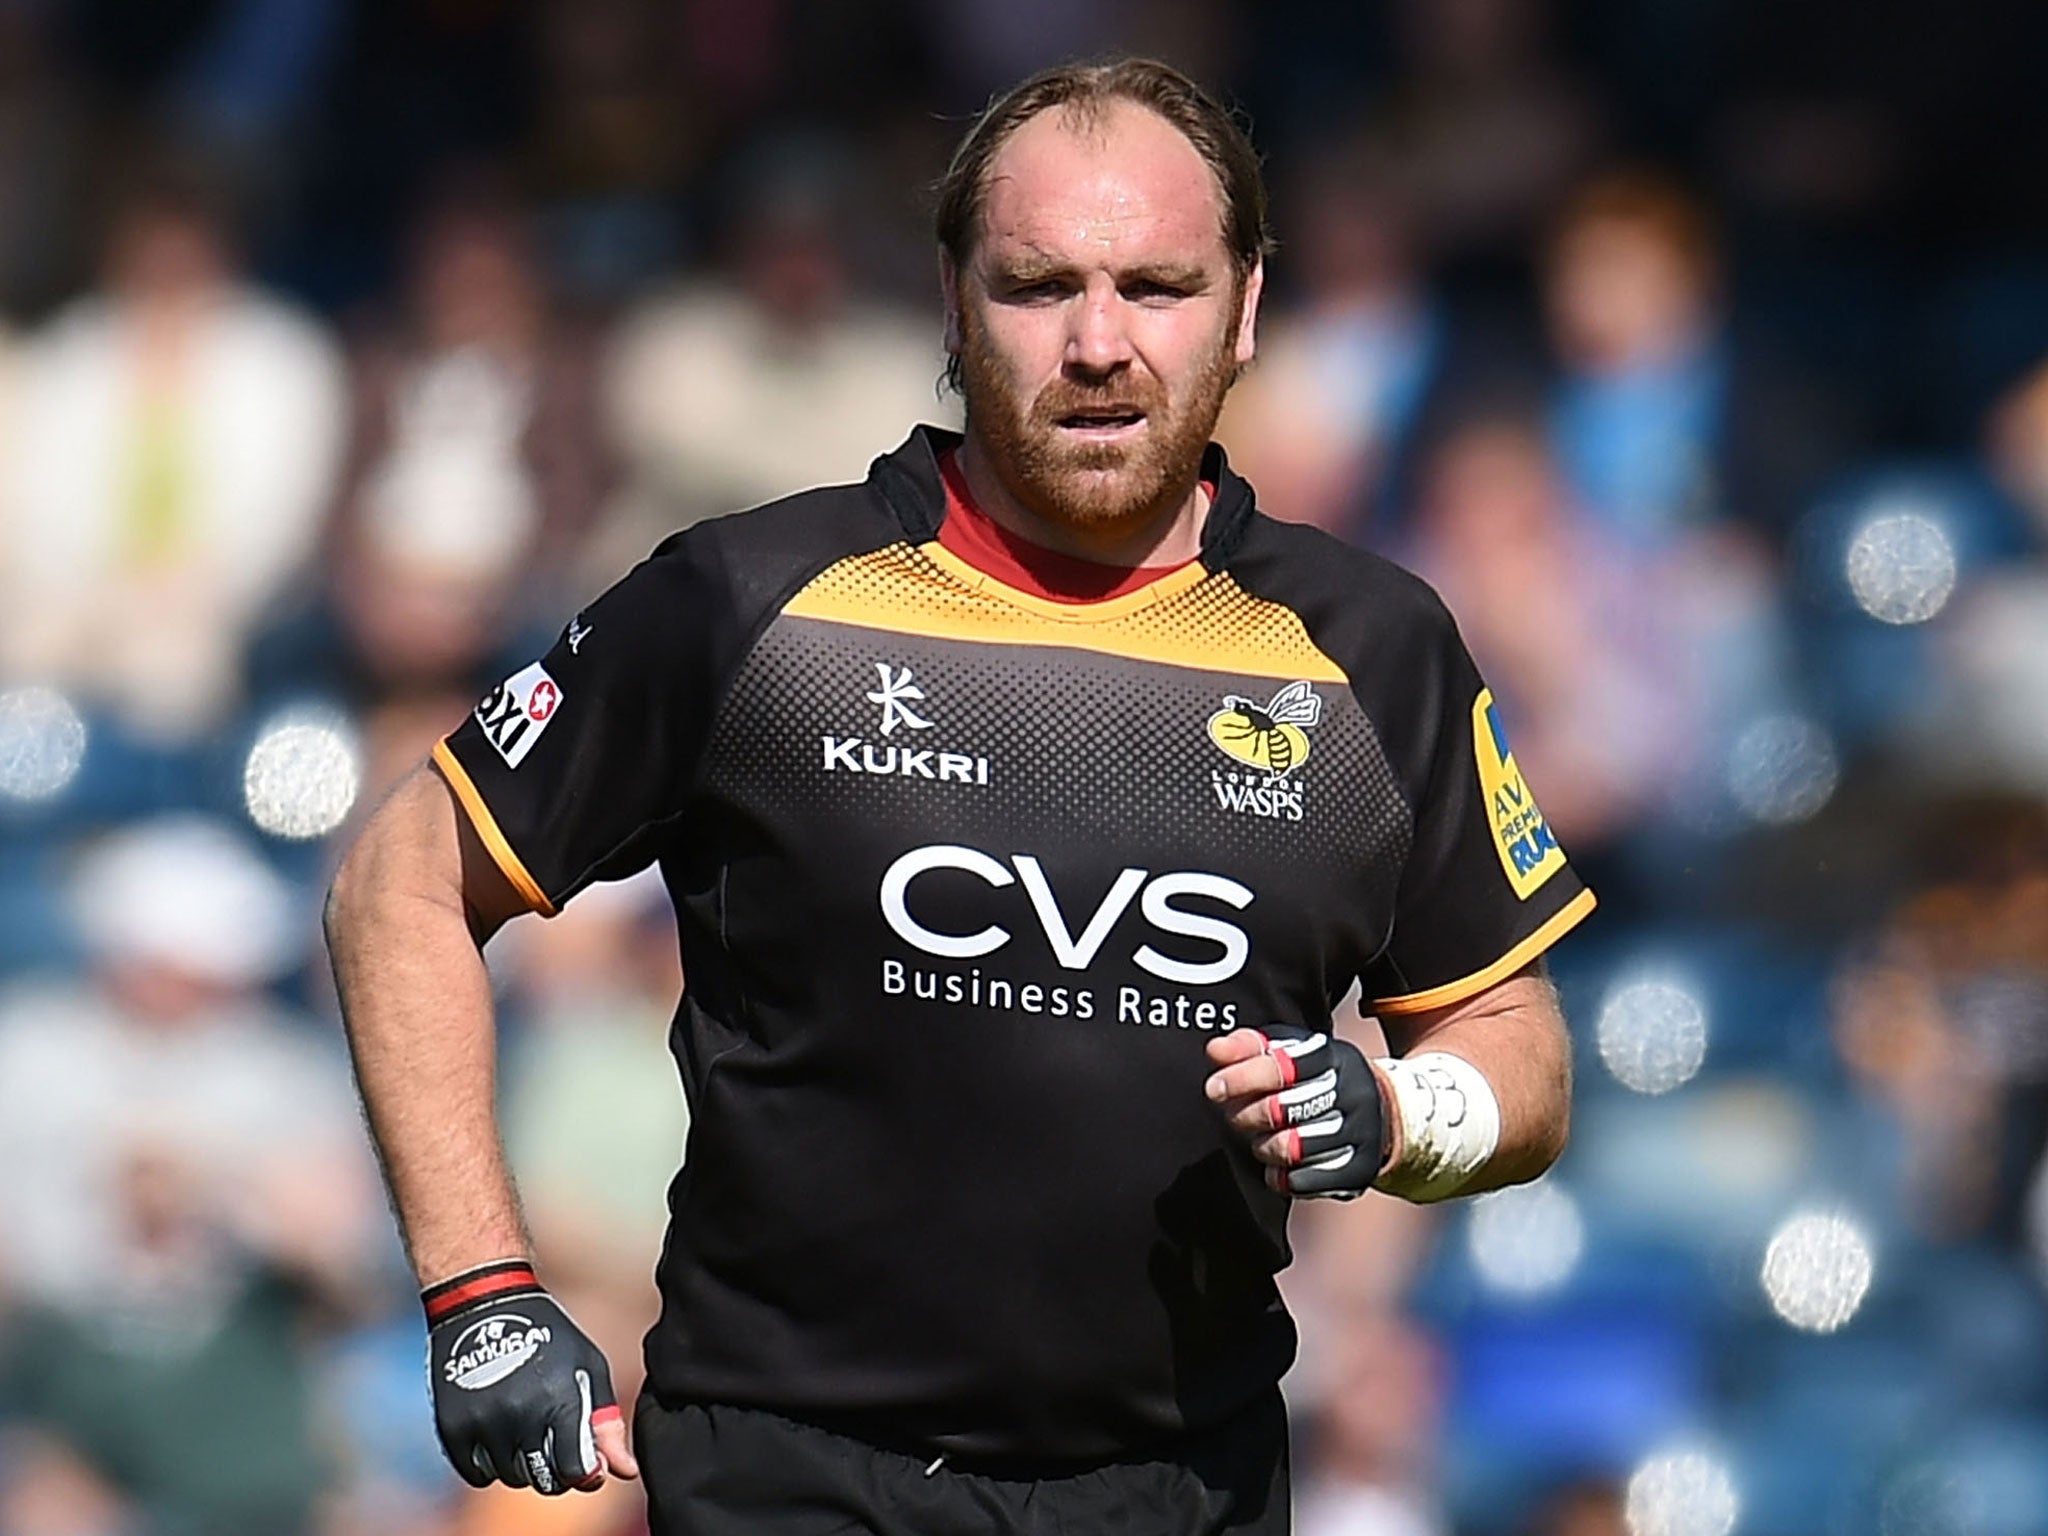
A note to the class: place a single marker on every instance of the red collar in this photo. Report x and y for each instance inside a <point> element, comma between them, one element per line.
<point>992,549</point>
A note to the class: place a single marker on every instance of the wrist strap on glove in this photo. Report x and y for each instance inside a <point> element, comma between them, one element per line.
<point>475,1287</point>
<point>518,1388</point>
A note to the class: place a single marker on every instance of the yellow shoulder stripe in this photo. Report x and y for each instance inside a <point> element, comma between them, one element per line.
<point>1567,918</point>
<point>488,829</point>
<point>1192,618</point>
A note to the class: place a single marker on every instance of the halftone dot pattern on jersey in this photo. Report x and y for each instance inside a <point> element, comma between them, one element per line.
<point>1101,752</point>
<point>1202,620</point>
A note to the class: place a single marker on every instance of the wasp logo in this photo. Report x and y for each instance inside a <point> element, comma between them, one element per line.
<point>1271,737</point>
<point>1528,849</point>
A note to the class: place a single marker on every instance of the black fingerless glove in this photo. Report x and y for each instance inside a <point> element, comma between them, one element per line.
<point>518,1387</point>
<point>1332,1104</point>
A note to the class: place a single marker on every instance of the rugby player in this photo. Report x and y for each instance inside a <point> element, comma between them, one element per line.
<point>1027,810</point>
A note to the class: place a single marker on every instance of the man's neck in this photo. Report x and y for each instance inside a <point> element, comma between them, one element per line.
<point>1170,537</point>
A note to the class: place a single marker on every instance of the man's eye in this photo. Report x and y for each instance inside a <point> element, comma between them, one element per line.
<point>1148,291</point>
<point>1045,290</point>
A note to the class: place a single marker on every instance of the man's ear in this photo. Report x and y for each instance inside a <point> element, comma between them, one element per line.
<point>1248,315</point>
<point>949,288</point>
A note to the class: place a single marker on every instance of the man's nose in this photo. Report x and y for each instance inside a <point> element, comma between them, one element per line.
<point>1098,338</point>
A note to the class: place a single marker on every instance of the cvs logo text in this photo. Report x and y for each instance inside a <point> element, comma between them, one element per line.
<point>1076,950</point>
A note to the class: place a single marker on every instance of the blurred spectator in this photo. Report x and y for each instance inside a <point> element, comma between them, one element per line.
<point>242,86</point>
<point>617,132</point>
<point>423,602</point>
<point>411,632</point>
<point>1943,1021</point>
<point>1490,123</point>
<point>1370,1468</point>
<point>1320,422</point>
<point>778,375</point>
<point>1583,640</point>
<point>476,474</point>
<point>173,453</point>
<point>1662,420</point>
<point>477,431</point>
<point>199,1182</point>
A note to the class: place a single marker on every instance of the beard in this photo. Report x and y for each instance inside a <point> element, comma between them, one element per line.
<point>1096,488</point>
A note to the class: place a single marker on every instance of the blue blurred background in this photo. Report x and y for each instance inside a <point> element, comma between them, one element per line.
<point>1696,349</point>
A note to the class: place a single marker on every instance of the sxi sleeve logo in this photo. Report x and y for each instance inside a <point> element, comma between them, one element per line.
<point>1527,847</point>
<point>514,713</point>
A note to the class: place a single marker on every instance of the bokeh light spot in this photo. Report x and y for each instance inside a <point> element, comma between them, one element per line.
<point>1901,566</point>
<point>1652,1033</point>
<point>302,776</point>
<point>1782,770</point>
<point>1526,1240</point>
<point>42,743</point>
<point>1817,1270</point>
<point>1682,1493</point>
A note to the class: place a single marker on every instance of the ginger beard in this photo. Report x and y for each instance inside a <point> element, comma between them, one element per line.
<point>1100,488</point>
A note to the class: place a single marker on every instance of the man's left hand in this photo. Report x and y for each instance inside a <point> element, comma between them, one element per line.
<point>1308,1102</point>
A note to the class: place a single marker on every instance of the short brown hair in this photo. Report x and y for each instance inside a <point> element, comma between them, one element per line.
<point>1653,203</point>
<point>1089,89</point>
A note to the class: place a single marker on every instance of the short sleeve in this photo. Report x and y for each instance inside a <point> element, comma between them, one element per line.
<point>1486,888</point>
<point>571,768</point>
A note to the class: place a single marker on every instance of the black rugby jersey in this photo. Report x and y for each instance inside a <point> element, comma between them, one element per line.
<point>966,878</point>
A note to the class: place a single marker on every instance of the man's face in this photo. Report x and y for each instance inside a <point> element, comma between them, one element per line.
<point>1099,319</point>
<point>1621,294</point>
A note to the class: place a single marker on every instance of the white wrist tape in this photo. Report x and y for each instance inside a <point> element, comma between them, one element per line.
<point>1449,1124</point>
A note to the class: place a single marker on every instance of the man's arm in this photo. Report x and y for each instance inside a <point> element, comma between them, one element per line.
<point>410,910</point>
<point>1512,1035</point>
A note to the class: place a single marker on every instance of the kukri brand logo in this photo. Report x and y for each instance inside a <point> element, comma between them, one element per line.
<point>899,690</point>
<point>890,696</point>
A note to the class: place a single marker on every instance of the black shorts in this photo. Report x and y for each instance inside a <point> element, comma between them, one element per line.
<point>712,1470</point>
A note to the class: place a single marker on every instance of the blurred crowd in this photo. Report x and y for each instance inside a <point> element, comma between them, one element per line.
<point>1698,354</point>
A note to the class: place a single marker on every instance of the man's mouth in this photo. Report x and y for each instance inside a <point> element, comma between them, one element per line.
<point>1103,421</point>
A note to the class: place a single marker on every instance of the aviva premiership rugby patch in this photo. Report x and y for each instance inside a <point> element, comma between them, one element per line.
<point>1527,848</point>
